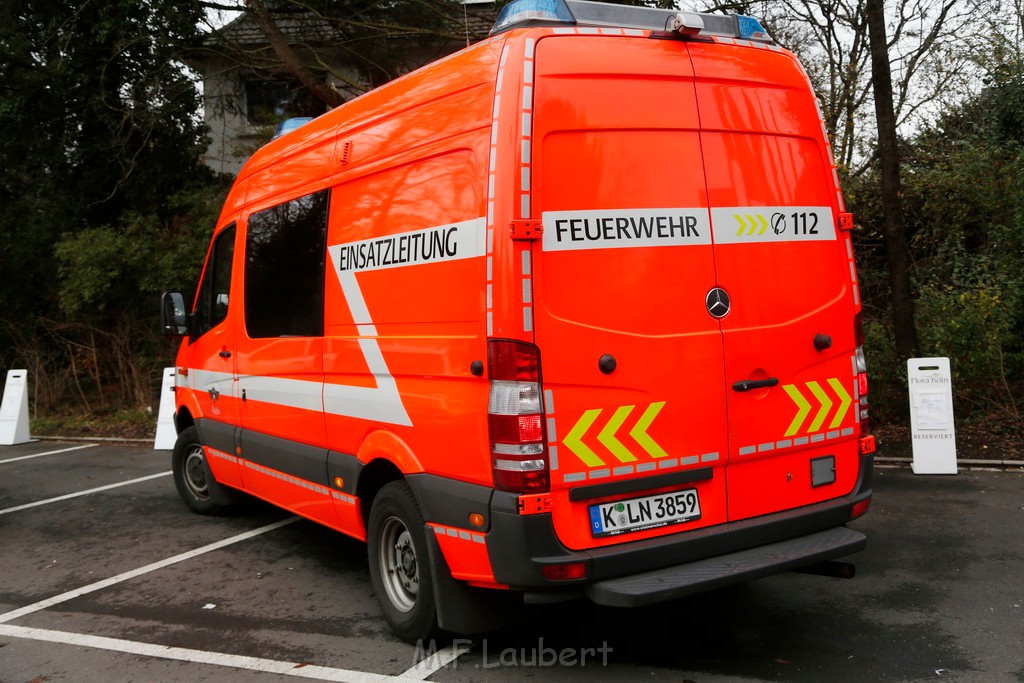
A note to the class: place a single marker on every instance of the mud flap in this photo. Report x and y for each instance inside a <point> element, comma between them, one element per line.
<point>465,610</point>
<point>219,494</point>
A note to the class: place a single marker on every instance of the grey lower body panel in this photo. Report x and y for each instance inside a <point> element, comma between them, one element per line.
<point>715,572</point>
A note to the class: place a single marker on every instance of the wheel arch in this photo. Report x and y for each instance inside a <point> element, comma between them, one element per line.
<point>374,476</point>
<point>183,419</point>
<point>385,457</point>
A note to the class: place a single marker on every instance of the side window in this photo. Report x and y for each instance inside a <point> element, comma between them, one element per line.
<point>212,301</point>
<point>285,251</point>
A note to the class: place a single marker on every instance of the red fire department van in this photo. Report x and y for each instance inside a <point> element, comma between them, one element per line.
<point>571,313</point>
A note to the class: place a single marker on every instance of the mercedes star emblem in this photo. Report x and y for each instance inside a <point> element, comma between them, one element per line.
<point>717,302</point>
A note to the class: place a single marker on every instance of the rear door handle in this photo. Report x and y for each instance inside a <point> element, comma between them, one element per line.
<point>748,384</point>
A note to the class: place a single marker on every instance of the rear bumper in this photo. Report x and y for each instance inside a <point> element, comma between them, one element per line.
<point>520,546</point>
<point>679,581</point>
<point>662,568</point>
<point>651,570</point>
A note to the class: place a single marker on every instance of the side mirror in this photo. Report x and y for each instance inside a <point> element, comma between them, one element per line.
<point>173,316</point>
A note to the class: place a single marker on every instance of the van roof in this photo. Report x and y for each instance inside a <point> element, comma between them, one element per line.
<point>576,15</point>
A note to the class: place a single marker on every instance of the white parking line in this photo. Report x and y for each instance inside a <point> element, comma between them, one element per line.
<point>82,493</point>
<point>92,587</point>
<point>39,455</point>
<point>418,672</point>
<point>181,654</point>
<point>436,661</point>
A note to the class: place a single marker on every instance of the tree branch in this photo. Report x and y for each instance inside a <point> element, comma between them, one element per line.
<point>289,58</point>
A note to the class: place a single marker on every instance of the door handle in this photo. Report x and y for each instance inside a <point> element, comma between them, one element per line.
<point>224,353</point>
<point>748,384</point>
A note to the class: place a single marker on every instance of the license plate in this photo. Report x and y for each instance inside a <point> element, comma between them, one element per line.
<point>649,512</point>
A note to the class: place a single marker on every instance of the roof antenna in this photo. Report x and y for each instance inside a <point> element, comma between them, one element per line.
<point>465,21</point>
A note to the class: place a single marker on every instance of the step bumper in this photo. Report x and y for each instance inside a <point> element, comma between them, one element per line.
<point>679,581</point>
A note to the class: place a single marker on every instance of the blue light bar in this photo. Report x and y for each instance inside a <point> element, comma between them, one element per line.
<point>288,125</point>
<point>750,28</point>
<point>532,13</point>
<point>523,13</point>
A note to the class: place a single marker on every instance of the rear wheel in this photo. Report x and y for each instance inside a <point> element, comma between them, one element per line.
<point>192,475</point>
<point>399,565</point>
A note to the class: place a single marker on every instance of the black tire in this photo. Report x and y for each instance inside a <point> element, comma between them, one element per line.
<point>192,475</point>
<point>400,568</point>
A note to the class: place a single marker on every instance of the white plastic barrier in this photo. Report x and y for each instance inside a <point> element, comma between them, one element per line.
<point>165,434</point>
<point>14,409</point>
<point>932,427</point>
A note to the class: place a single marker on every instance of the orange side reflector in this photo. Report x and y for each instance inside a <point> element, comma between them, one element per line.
<point>846,221</point>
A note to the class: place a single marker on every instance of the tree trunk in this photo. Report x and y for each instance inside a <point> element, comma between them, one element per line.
<point>898,260</point>
<point>291,61</point>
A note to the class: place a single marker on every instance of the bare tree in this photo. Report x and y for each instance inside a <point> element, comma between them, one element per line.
<point>337,49</point>
<point>880,69</point>
<point>290,58</point>
<point>925,41</point>
<point>898,255</point>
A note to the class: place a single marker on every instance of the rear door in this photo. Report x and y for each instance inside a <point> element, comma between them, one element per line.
<point>787,270</point>
<point>693,294</point>
<point>632,362</point>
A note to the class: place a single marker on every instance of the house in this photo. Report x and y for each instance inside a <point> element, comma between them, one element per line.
<point>248,92</point>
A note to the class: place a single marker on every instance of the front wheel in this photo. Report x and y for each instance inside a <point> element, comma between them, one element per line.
<point>192,475</point>
<point>399,565</point>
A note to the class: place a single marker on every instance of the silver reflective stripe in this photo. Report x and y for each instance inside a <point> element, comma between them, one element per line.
<point>292,393</point>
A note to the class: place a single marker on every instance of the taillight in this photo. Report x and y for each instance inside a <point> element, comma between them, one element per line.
<point>862,376</point>
<point>519,458</point>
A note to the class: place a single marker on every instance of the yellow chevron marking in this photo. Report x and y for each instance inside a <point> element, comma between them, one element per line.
<point>639,431</point>
<point>573,443</point>
<point>764,224</point>
<point>826,405</point>
<point>743,226</point>
<point>607,435</point>
<point>803,408</point>
<point>753,224</point>
<point>844,401</point>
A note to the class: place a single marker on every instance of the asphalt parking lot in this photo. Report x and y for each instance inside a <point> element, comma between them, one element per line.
<point>106,576</point>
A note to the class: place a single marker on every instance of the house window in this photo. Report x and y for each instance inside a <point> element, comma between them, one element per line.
<point>268,103</point>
